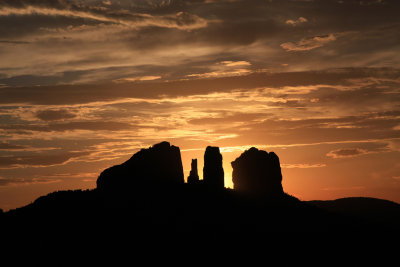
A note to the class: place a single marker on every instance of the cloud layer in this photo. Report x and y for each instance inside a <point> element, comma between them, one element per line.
<point>64,42</point>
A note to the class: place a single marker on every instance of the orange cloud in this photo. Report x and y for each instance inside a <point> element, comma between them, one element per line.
<point>346,153</point>
<point>57,114</point>
<point>139,78</point>
<point>303,165</point>
<point>296,22</point>
<point>310,43</point>
<point>180,20</point>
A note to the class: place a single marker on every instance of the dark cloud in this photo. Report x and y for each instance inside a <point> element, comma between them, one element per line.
<point>39,159</point>
<point>346,152</point>
<point>76,94</point>
<point>8,146</point>
<point>51,115</point>
<point>18,181</point>
<point>90,125</point>
<point>13,42</point>
<point>316,130</point>
<point>255,32</point>
<point>230,118</point>
<point>368,97</point>
<point>44,3</point>
<point>233,33</point>
<point>309,43</point>
<point>16,27</point>
<point>101,14</point>
<point>70,126</point>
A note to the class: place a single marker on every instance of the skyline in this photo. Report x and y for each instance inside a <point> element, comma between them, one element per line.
<point>86,84</point>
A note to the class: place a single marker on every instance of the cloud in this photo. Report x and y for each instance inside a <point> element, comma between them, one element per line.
<point>8,146</point>
<point>13,42</point>
<point>303,165</point>
<point>394,145</point>
<point>309,43</point>
<point>230,118</point>
<point>236,63</point>
<point>296,22</point>
<point>180,20</point>
<point>220,73</point>
<point>39,160</point>
<point>71,126</point>
<point>134,79</point>
<point>349,188</point>
<point>346,153</point>
<point>225,69</point>
<point>92,42</point>
<point>50,114</point>
<point>20,181</point>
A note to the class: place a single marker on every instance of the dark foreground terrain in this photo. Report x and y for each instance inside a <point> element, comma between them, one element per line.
<point>198,209</point>
<point>146,198</point>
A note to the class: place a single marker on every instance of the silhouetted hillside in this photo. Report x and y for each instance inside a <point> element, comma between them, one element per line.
<point>372,210</point>
<point>70,204</point>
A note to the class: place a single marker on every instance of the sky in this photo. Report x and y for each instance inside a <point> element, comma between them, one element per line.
<point>86,84</point>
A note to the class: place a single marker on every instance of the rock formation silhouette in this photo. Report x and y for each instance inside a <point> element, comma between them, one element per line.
<point>156,166</point>
<point>213,172</point>
<point>257,172</point>
<point>193,177</point>
<point>163,207</point>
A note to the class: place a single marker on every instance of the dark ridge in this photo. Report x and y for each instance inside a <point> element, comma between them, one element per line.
<point>375,211</point>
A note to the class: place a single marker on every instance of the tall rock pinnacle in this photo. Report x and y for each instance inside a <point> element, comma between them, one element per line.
<point>213,172</point>
<point>194,175</point>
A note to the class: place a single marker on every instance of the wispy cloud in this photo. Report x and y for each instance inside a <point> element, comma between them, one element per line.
<point>369,148</point>
<point>346,153</point>
<point>8,146</point>
<point>349,188</point>
<point>309,43</point>
<point>180,20</point>
<point>296,22</point>
<point>140,78</point>
<point>303,165</point>
<point>220,73</point>
<point>236,63</point>
<point>38,160</point>
<point>56,114</point>
<point>26,181</point>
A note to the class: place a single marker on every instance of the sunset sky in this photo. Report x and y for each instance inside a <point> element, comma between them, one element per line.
<point>86,84</point>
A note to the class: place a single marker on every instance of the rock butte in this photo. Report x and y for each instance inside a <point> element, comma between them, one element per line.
<point>255,172</point>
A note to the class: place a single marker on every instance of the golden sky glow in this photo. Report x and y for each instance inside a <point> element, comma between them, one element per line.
<point>85,84</point>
